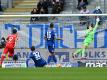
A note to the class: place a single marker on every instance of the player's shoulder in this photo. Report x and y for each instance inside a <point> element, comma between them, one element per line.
<point>14,35</point>
<point>9,35</point>
<point>52,31</point>
<point>36,51</point>
<point>31,53</point>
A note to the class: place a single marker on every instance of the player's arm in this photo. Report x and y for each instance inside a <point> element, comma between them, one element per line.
<point>27,60</point>
<point>16,40</point>
<point>45,37</point>
<point>7,38</point>
<point>96,25</point>
<point>58,39</point>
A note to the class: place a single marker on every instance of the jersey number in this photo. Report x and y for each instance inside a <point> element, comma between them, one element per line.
<point>37,55</point>
<point>48,35</point>
<point>10,39</point>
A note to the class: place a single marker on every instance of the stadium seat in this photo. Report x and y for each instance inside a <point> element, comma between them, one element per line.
<point>22,7</point>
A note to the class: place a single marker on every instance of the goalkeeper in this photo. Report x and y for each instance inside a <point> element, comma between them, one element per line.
<point>89,37</point>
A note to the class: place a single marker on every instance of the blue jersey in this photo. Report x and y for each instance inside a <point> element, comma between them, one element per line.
<point>36,57</point>
<point>50,37</point>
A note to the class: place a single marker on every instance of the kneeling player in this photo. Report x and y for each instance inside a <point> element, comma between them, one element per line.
<point>10,44</point>
<point>36,57</point>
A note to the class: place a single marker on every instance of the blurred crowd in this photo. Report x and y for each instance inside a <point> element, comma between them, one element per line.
<point>48,7</point>
<point>82,7</point>
<point>82,3</point>
<point>0,7</point>
<point>55,5</point>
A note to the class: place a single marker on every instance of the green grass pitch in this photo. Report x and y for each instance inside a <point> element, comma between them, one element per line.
<point>53,74</point>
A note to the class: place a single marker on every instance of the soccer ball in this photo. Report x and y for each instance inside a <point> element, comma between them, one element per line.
<point>58,65</point>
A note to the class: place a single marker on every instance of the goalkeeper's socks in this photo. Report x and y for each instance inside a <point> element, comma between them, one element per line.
<point>49,59</point>
<point>78,51</point>
<point>54,59</point>
<point>83,53</point>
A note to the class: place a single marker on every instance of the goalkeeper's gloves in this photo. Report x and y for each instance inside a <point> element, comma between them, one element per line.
<point>97,19</point>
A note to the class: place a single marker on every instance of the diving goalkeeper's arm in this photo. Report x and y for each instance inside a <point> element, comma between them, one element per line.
<point>96,25</point>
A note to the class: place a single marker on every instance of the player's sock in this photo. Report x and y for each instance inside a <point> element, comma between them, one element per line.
<point>54,59</point>
<point>7,58</point>
<point>49,59</point>
<point>78,51</point>
<point>2,59</point>
<point>83,53</point>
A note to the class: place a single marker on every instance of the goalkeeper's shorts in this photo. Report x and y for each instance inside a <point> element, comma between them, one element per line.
<point>87,42</point>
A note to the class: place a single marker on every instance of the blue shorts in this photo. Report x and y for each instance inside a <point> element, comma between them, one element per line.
<point>40,63</point>
<point>51,49</point>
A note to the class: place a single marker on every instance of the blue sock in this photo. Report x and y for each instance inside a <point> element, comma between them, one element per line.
<point>49,59</point>
<point>54,59</point>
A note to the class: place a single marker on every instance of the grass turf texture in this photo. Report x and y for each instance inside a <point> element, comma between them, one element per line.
<point>53,74</point>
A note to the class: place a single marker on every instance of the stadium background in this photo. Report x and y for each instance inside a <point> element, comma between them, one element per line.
<point>25,6</point>
<point>67,28</point>
<point>66,25</point>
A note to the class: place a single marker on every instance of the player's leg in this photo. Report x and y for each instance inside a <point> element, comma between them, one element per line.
<point>42,63</point>
<point>11,53</point>
<point>82,50</point>
<point>39,63</point>
<point>85,45</point>
<point>3,56</point>
<point>49,57</point>
<point>52,54</point>
<point>78,51</point>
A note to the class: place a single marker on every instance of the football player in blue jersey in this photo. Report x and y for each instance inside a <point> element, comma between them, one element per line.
<point>50,41</point>
<point>36,57</point>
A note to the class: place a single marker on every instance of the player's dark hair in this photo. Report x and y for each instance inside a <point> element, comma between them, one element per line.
<point>2,38</point>
<point>14,31</point>
<point>51,25</point>
<point>90,24</point>
<point>84,7</point>
<point>32,48</point>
